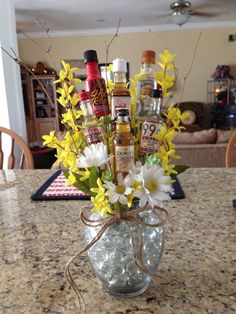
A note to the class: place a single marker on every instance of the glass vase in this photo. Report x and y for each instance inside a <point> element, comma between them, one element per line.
<point>112,256</point>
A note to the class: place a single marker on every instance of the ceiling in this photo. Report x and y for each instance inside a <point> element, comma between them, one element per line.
<point>94,16</point>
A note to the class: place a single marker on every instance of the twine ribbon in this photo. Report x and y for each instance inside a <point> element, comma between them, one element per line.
<point>129,217</point>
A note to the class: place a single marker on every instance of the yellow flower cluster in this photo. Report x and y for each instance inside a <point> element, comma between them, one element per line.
<point>163,78</point>
<point>165,138</point>
<point>100,201</point>
<point>73,142</point>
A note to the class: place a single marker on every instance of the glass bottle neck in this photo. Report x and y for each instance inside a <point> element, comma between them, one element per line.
<point>120,78</point>
<point>92,69</point>
<point>123,125</point>
<point>147,68</point>
<point>156,105</point>
<point>87,109</point>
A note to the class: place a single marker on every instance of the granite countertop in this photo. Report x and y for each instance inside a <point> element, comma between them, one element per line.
<point>197,273</point>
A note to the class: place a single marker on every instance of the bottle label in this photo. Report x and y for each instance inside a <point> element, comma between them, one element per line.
<point>98,92</point>
<point>93,136</point>
<point>145,88</point>
<point>124,158</point>
<point>120,102</point>
<point>148,142</point>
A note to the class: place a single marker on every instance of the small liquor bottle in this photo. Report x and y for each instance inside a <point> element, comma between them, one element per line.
<point>123,144</point>
<point>92,131</point>
<point>95,84</point>
<point>120,96</point>
<point>151,125</point>
<point>146,84</point>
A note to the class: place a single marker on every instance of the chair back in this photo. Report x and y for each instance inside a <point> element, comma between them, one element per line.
<point>229,161</point>
<point>26,159</point>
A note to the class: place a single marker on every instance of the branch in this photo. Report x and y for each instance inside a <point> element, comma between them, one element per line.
<point>19,61</point>
<point>161,44</point>
<point>157,40</point>
<point>47,51</point>
<point>113,38</point>
<point>190,67</point>
<point>108,47</point>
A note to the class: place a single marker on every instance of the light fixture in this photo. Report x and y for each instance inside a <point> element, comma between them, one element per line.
<point>180,16</point>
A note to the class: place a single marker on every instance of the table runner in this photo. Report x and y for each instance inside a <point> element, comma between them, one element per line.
<point>55,189</point>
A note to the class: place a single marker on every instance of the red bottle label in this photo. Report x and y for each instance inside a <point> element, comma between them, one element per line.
<point>98,92</point>
<point>93,136</point>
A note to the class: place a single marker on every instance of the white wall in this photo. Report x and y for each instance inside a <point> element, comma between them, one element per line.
<point>11,104</point>
<point>213,49</point>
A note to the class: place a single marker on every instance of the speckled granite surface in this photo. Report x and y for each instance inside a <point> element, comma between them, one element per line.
<point>198,269</point>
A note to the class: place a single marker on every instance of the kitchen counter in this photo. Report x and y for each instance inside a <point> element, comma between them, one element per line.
<point>197,273</point>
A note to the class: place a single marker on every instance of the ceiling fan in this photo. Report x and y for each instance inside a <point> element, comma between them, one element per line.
<point>182,10</point>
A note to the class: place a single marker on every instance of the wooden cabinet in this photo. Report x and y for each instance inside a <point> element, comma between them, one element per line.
<point>40,102</point>
<point>44,104</point>
<point>29,115</point>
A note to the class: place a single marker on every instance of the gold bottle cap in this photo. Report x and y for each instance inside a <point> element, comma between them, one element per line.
<point>148,56</point>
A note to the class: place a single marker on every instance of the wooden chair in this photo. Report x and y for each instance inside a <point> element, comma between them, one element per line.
<point>26,159</point>
<point>229,151</point>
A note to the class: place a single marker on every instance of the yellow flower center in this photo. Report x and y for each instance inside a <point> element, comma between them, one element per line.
<point>151,185</point>
<point>120,189</point>
<point>136,185</point>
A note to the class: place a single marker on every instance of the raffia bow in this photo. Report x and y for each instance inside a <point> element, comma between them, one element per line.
<point>131,216</point>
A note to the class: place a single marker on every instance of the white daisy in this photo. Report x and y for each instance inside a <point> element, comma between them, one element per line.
<point>134,180</point>
<point>119,192</point>
<point>94,155</point>
<point>155,187</point>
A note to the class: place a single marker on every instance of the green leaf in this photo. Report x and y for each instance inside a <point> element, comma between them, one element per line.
<point>94,174</point>
<point>181,168</point>
<point>80,185</point>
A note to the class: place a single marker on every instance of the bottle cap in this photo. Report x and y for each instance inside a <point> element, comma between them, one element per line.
<point>90,55</point>
<point>122,112</point>
<point>156,93</point>
<point>148,56</point>
<point>119,65</point>
<point>84,95</point>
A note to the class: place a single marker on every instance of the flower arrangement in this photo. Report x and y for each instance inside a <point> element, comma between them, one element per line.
<point>120,203</point>
<point>89,167</point>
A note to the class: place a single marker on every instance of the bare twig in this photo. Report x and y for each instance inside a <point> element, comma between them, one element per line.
<point>19,61</point>
<point>157,39</point>
<point>190,67</point>
<point>107,47</point>
<point>47,51</point>
<point>113,38</point>
<point>161,44</point>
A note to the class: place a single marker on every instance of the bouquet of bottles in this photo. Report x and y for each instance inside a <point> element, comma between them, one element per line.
<point>118,146</point>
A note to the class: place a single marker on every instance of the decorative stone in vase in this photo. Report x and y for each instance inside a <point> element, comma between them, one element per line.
<point>113,256</point>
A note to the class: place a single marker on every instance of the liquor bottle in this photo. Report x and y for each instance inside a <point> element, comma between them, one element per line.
<point>146,83</point>
<point>120,95</point>
<point>123,144</point>
<point>151,125</point>
<point>92,131</point>
<point>95,84</point>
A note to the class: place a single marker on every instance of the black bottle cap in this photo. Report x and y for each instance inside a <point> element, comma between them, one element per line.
<point>156,93</point>
<point>90,55</point>
<point>122,112</point>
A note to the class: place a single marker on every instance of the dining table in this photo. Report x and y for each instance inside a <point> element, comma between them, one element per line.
<point>197,273</point>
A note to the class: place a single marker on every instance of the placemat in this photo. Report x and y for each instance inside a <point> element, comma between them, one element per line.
<point>55,189</point>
